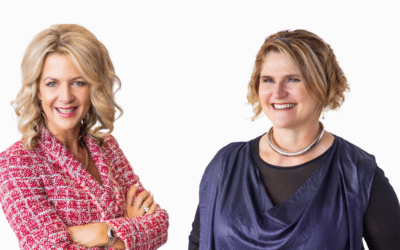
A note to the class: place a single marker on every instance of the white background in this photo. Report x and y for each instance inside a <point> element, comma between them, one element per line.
<point>185,67</point>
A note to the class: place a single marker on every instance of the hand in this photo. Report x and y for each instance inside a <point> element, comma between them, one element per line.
<point>143,199</point>
<point>89,235</point>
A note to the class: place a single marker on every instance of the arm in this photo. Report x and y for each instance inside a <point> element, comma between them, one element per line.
<point>147,232</point>
<point>194,237</point>
<point>93,235</point>
<point>382,217</point>
<point>27,209</point>
<point>96,234</point>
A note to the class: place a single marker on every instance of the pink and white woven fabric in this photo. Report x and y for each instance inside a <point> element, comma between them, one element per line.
<point>46,190</point>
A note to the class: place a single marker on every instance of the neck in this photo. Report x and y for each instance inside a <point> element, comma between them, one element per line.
<point>294,140</point>
<point>69,138</point>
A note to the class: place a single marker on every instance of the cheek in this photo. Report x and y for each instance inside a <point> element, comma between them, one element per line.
<point>303,95</point>
<point>264,94</point>
<point>310,102</point>
<point>48,100</point>
<point>83,92</point>
<point>84,98</point>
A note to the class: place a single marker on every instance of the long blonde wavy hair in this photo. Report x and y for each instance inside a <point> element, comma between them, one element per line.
<point>314,60</point>
<point>91,59</point>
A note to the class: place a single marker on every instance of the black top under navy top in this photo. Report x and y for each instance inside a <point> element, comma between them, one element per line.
<point>381,226</point>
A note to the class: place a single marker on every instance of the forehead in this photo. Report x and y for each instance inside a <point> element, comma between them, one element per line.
<point>277,63</point>
<point>58,65</point>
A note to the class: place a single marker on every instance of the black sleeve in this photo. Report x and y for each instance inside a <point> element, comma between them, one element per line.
<point>194,237</point>
<point>382,217</point>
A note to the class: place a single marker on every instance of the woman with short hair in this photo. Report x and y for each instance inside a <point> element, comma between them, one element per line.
<point>66,184</point>
<point>296,186</point>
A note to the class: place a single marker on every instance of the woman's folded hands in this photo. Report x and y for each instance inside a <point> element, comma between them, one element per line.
<point>95,234</point>
<point>143,205</point>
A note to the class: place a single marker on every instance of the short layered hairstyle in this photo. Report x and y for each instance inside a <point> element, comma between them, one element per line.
<point>315,62</point>
<point>90,57</point>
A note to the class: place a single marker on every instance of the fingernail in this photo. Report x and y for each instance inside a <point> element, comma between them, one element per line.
<point>137,184</point>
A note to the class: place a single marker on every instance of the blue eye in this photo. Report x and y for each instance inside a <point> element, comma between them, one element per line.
<point>294,80</point>
<point>78,83</point>
<point>51,84</point>
<point>268,80</point>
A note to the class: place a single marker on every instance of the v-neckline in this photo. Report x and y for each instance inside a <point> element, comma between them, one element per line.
<point>99,163</point>
<point>104,195</point>
<point>307,189</point>
<point>74,168</point>
<point>101,184</point>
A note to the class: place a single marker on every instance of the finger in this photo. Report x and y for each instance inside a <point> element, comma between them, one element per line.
<point>148,202</point>
<point>140,199</point>
<point>152,208</point>
<point>131,193</point>
<point>72,232</point>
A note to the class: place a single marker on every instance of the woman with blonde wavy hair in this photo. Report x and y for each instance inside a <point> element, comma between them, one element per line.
<point>66,184</point>
<point>297,186</point>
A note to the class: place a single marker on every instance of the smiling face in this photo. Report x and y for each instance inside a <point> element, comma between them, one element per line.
<point>64,94</point>
<point>283,96</point>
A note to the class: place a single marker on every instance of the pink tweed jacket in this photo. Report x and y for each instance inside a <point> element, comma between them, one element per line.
<point>46,190</point>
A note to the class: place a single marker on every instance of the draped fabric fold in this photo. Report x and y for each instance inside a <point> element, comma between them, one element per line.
<point>325,213</point>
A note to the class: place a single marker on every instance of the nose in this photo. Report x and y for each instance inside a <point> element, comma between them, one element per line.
<point>66,94</point>
<point>280,91</point>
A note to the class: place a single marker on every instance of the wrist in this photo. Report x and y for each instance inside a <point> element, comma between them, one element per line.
<point>111,236</point>
<point>102,234</point>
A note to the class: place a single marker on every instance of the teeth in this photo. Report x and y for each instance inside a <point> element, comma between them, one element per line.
<point>284,106</point>
<point>65,111</point>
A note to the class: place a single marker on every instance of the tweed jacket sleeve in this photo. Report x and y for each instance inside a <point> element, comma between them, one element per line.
<point>147,232</point>
<point>46,190</point>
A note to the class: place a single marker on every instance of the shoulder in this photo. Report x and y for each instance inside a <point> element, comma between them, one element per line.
<point>221,160</point>
<point>16,147</point>
<point>355,161</point>
<point>111,148</point>
<point>17,161</point>
<point>219,168</point>
<point>16,151</point>
<point>109,139</point>
<point>110,142</point>
<point>354,152</point>
<point>232,149</point>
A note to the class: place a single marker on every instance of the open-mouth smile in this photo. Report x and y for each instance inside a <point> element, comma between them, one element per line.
<point>283,106</point>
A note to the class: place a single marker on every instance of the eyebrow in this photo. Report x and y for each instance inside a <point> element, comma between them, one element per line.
<point>287,76</point>
<point>55,79</point>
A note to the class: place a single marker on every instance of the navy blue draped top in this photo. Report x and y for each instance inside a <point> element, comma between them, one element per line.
<point>326,212</point>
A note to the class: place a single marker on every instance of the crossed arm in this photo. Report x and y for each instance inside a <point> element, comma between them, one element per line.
<point>95,234</point>
<point>38,224</point>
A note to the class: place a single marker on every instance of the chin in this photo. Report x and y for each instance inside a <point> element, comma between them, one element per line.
<point>287,124</point>
<point>282,125</point>
<point>64,126</point>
